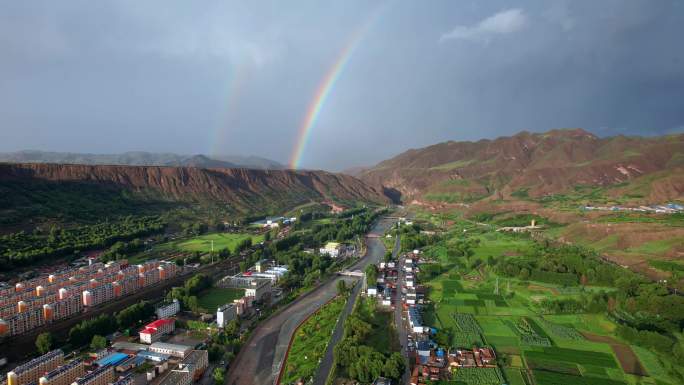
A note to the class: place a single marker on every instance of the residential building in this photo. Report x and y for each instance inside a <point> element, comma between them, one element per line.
<point>168,309</point>
<point>25,321</point>
<point>153,331</point>
<point>67,307</point>
<point>103,375</point>
<point>415,319</point>
<point>372,291</point>
<point>225,314</point>
<point>32,303</point>
<point>197,361</point>
<point>65,374</point>
<point>34,369</point>
<point>173,350</point>
<point>128,379</point>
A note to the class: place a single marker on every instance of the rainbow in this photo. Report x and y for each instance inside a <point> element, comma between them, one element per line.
<point>323,91</point>
<point>238,76</point>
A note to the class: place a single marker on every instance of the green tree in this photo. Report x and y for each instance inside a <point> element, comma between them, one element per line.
<point>98,342</point>
<point>219,376</point>
<point>44,342</point>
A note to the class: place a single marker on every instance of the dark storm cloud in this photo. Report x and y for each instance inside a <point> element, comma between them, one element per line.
<point>237,77</point>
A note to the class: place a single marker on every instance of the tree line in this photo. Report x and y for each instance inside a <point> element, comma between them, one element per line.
<point>24,249</point>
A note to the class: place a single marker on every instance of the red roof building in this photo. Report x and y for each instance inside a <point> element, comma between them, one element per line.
<point>153,331</point>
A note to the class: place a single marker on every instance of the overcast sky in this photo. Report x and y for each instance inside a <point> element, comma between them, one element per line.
<point>237,77</point>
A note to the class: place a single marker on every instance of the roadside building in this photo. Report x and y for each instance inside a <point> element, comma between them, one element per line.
<point>258,288</point>
<point>174,350</point>
<point>64,375</point>
<point>225,314</point>
<point>415,319</point>
<point>34,369</point>
<point>331,249</point>
<point>153,331</point>
<point>372,291</point>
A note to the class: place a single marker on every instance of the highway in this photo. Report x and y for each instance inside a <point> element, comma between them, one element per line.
<point>261,357</point>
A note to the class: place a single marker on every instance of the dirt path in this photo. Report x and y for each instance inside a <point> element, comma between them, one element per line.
<point>628,359</point>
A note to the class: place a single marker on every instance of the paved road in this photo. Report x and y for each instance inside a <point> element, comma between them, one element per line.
<point>260,359</point>
<point>327,363</point>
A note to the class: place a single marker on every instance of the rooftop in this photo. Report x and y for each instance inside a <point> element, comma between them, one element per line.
<point>112,359</point>
<point>63,368</point>
<point>95,373</point>
<point>31,364</point>
<point>164,345</point>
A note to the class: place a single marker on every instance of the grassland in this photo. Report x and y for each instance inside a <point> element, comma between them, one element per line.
<point>221,241</point>
<point>310,342</point>
<point>211,299</point>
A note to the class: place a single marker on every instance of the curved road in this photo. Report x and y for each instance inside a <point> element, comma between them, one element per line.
<point>260,359</point>
<point>326,365</point>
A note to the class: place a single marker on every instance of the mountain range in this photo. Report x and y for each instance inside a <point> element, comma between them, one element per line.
<point>77,191</point>
<point>141,158</point>
<point>537,166</point>
<point>569,166</point>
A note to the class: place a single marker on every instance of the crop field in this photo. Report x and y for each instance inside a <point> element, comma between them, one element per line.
<point>539,347</point>
<point>585,357</point>
<point>221,241</point>
<point>481,376</point>
<point>543,377</point>
<point>211,299</point>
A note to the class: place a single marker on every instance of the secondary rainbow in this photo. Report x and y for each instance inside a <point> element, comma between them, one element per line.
<point>323,91</point>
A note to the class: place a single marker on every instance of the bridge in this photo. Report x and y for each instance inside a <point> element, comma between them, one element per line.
<point>351,273</point>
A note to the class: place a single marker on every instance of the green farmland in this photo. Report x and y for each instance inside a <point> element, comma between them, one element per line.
<point>535,343</point>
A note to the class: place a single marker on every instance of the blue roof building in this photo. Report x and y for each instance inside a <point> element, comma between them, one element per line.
<point>112,359</point>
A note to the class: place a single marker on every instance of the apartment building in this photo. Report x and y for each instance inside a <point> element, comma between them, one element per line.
<point>67,307</point>
<point>98,294</point>
<point>34,369</point>
<point>64,375</point>
<point>25,321</point>
<point>103,375</point>
<point>33,303</point>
